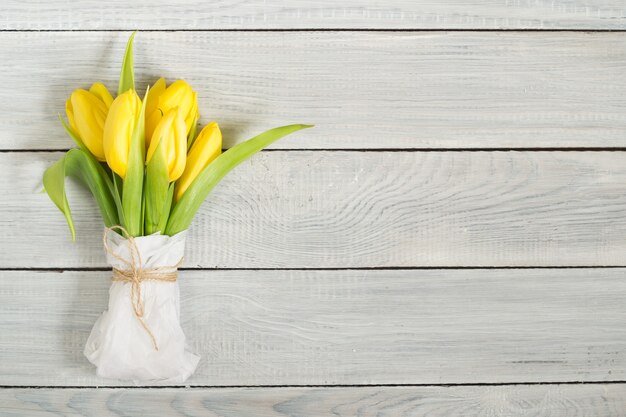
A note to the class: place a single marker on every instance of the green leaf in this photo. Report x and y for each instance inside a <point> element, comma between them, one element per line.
<point>54,185</point>
<point>157,184</point>
<point>82,166</point>
<point>132,195</point>
<point>183,212</point>
<point>142,221</point>
<point>166,209</point>
<point>117,191</point>
<point>127,75</point>
<point>104,171</point>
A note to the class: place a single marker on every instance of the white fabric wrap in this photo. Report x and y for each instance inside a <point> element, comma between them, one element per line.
<point>119,345</point>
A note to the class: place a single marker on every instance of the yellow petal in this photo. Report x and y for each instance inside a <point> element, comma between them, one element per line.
<point>192,116</point>
<point>118,130</point>
<point>162,99</point>
<point>177,168</point>
<point>100,91</point>
<point>89,114</point>
<point>162,132</point>
<point>206,147</point>
<point>170,138</point>
<point>153,114</point>
<point>153,95</point>
<point>179,94</point>
<point>70,114</point>
<point>151,124</point>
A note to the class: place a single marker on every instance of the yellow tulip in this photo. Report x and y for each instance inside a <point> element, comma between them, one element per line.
<point>206,147</point>
<point>171,134</point>
<point>161,100</point>
<point>118,130</point>
<point>87,112</point>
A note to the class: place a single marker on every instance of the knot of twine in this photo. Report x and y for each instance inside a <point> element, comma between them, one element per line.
<point>134,274</point>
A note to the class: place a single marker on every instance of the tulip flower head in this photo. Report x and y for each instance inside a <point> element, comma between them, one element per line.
<point>161,100</point>
<point>171,135</point>
<point>206,147</point>
<point>118,130</point>
<point>87,112</point>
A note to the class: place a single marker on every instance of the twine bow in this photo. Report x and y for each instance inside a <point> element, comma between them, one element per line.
<point>134,274</point>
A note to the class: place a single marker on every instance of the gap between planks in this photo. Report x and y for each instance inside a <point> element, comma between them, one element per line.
<point>365,268</point>
<point>223,387</point>
<point>532,30</point>
<point>533,149</point>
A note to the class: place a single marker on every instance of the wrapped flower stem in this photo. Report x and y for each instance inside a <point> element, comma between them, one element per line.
<point>139,338</point>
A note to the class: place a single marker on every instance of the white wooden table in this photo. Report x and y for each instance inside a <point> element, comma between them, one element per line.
<point>450,240</point>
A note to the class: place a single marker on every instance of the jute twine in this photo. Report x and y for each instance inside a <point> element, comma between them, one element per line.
<point>134,274</point>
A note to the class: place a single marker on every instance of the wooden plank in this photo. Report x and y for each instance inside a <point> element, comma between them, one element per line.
<point>321,209</point>
<point>362,90</point>
<point>397,14</point>
<point>340,327</point>
<point>503,401</point>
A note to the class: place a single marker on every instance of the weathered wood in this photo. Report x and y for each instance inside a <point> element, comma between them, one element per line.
<point>321,209</point>
<point>396,14</point>
<point>590,400</point>
<point>340,327</point>
<point>362,90</point>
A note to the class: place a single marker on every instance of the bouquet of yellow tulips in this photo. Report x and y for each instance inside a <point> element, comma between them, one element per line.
<point>149,171</point>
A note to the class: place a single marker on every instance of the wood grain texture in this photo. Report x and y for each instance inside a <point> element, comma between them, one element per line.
<point>340,327</point>
<point>508,401</point>
<point>319,209</point>
<point>257,14</point>
<point>362,90</point>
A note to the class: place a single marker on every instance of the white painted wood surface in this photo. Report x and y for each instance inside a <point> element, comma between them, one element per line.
<point>366,90</point>
<point>361,89</point>
<point>504,401</point>
<point>340,327</point>
<point>299,209</point>
<point>368,14</point>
